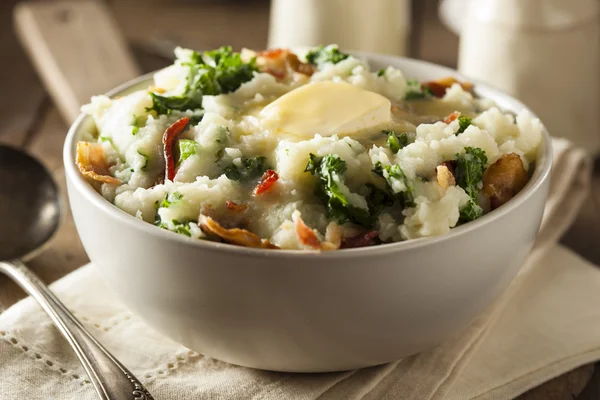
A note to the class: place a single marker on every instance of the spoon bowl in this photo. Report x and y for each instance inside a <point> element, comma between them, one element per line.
<point>30,204</point>
<point>30,212</point>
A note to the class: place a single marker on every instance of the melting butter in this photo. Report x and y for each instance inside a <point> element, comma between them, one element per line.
<point>326,108</point>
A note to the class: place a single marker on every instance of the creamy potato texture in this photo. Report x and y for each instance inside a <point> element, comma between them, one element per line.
<point>312,151</point>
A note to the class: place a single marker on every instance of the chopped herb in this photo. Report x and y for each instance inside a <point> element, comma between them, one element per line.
<point>416,91</point>
<point>196,118</point>
<point>330,171</point>
<point>378,199</point>
<point>381,72</point>
<point>393,142</point>
<point>211,73</point>
<point>397,182</point>
<point>406,138</point>
<point>469,173</point>
<point>396,142</point>
<point>164,105</point>
<point>251,168</point>
<point>137,124</point>
<point>157,219</point>
<point>183,228</point>
<point>470,212</point>
<point>143,168</point>
<point>187,148</point>
<point>463,123</point>
<point>171,199</point>
<point>325,54</point>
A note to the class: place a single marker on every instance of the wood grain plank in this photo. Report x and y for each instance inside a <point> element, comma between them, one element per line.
<point>22,90</point>
<point>77,49</point>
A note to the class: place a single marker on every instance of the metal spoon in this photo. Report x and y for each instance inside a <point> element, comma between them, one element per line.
<point>30,213</point>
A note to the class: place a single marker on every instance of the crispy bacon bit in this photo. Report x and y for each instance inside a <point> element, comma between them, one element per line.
<point>445,175</point>
<point>439,86</point>
<point>273,54</point>
<point>266,182</point>
<point>361,240</point>
<point>298,66</point>
<point>168,141</point>
<point>452,117</point>
<point>306,236</point>
<point>277,73</point>
<point>92,164</point>
<point>237,236</point>
<point>235,207</point>
<point>281,62</point>
<point>504,179</point>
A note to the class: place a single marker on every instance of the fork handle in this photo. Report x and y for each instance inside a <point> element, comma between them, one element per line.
<point>109,377</point>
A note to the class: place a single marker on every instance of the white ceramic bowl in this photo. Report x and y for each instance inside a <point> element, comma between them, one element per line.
<point>305,312</point>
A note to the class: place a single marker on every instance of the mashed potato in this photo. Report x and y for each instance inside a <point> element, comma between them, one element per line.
<point>314,152</point>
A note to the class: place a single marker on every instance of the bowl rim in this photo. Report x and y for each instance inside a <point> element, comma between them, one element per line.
<point>540,175</point>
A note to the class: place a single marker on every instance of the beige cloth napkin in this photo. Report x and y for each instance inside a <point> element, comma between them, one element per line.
<point>541,326</point>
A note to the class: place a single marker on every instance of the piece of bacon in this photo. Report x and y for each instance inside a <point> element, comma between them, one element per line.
<point>235,207</point>
<point>273,54</point>
<point>237,236</point>
<point>280,62</point>
<point>92,164</point>
<point>452,117</point>
<point>168,141</point>
<point>444,174</point>
<point>504,179</point>
<point>360,240</point>
<point>266,182</point>
<point>439,86</point>
<point>306,236</point>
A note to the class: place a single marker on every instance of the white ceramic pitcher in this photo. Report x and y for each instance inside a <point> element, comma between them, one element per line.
<point>381,26</point>
<point>544,52</point>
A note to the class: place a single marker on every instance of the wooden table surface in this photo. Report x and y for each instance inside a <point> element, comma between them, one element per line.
<point>32,122</point>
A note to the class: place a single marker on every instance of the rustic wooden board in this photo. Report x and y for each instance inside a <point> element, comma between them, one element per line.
<point>77,49</point>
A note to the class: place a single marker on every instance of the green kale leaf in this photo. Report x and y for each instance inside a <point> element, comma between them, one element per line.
<point>463,123</point>
<point>170,199</point>
<point>187,148</point>
<point>378,199</point>
<point>468,172</point>
<point>416,91</point>
<point>397,182</point>
<point>330,171</point>
<point>251,168</point>
<point>164,105</point>
<point>324,54</point>
<point>396,142</point>
<point>183,228</point>
<point>211,73</point>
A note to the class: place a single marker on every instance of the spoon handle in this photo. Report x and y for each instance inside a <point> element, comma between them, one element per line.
<point>109,377</point>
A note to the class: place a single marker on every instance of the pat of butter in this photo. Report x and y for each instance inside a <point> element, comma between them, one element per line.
<point>326,108</point>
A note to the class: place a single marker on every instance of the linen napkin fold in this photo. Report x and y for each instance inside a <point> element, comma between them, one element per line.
<point>525,338</point>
